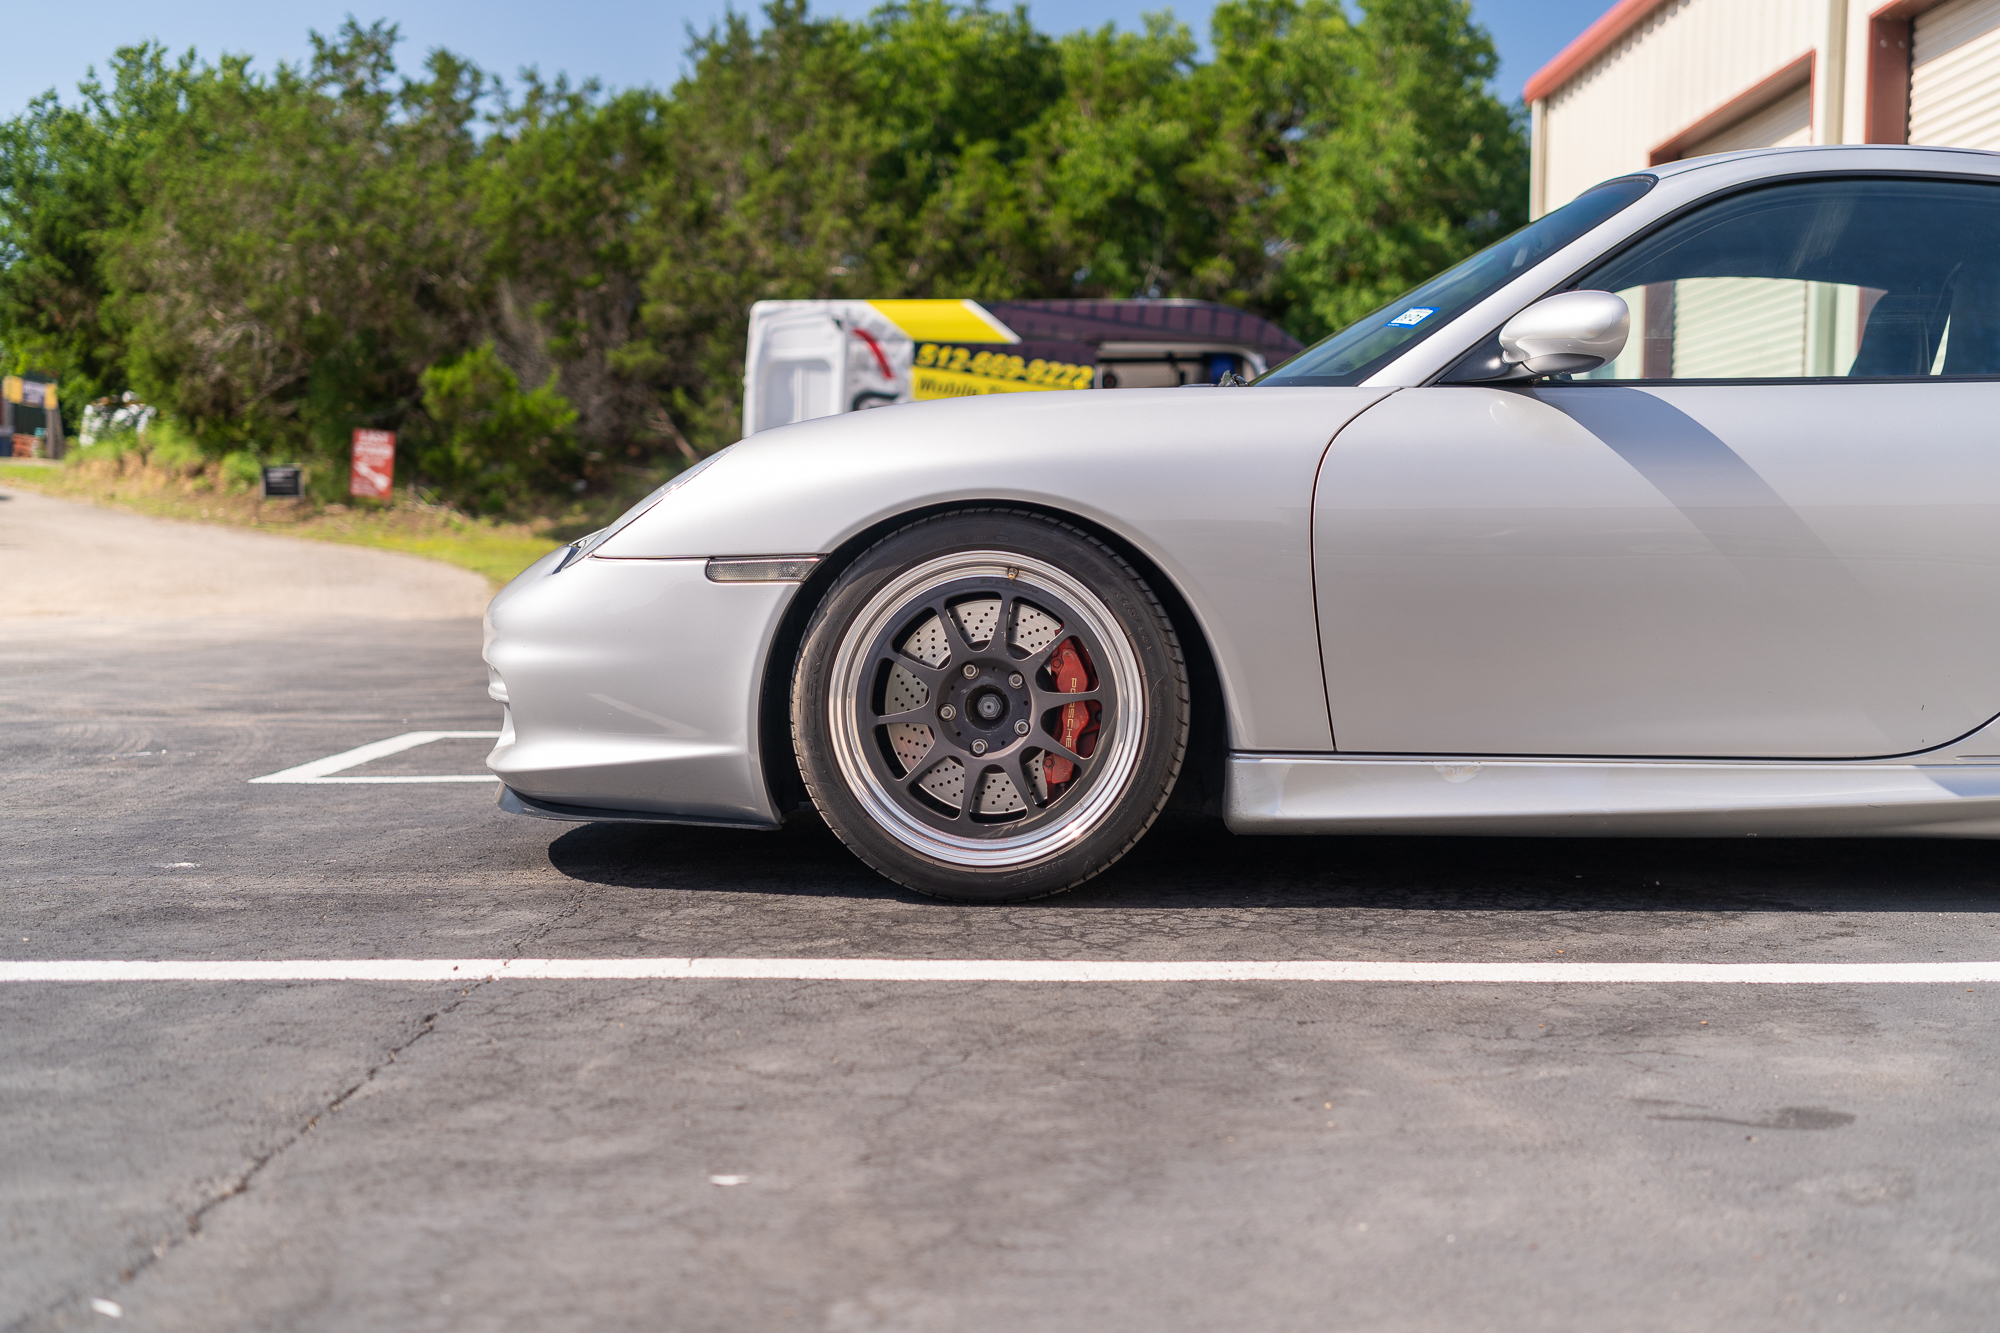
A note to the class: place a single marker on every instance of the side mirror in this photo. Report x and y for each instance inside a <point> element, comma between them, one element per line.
<point>1567,333</point>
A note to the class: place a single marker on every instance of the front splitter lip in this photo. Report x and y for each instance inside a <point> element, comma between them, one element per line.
<point>514,803</point>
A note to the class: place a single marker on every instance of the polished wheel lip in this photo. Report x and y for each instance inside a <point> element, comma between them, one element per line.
<point>1117,753</point>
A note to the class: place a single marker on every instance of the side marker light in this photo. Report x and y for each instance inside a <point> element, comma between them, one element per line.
<point>761,568</point>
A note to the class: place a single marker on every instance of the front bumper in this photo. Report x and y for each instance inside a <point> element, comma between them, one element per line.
<point>632,686</point>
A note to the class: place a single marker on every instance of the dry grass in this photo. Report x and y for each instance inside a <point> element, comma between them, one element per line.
<point>497,550</point>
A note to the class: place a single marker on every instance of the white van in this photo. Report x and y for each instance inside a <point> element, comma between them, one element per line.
<point>809,359</point>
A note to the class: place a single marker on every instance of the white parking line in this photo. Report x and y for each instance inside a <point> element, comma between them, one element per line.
<point>319,772</point>
<point>999,969</point>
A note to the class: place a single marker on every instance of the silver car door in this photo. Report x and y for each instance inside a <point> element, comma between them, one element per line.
<point>1670,559</point>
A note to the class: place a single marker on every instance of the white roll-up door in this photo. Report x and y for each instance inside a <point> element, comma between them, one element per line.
<point>1739,328</point>
<point>1783,124</point>
<point>1955,75</point>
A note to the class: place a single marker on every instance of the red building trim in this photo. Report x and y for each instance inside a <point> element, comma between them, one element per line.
<point>1886,117</point>
<point>1746,103</point>
<point>1594,41</point>
<point>1904,9</point>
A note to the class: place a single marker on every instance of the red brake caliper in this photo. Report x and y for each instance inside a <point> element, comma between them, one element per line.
<point>1071,677</point>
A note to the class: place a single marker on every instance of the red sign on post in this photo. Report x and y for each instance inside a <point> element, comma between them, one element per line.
<point>374,468</point>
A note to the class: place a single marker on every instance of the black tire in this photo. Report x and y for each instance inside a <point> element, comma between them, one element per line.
<point>1067,724</point>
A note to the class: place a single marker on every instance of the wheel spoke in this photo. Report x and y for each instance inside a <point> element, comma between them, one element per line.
<point>1035,661</point>
<point>954,635</point>
<point>1046,624</point>
<point>922,715</point>
<point>931,676</point>
<point>1047,699</point>
<point>1055,747</point>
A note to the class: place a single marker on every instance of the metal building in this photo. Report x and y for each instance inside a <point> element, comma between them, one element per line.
<point>1659,80</point>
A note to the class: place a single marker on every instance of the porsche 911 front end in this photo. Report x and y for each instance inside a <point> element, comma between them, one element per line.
<point>1050,586</point>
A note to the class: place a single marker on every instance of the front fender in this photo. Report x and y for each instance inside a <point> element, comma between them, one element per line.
<point>1213,486</point>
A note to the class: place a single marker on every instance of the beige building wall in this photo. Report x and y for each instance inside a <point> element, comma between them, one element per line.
<point>1675,67</point>
<point>1658,80</point>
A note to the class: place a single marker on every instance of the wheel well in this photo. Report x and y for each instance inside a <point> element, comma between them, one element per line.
<point>1200,788</point>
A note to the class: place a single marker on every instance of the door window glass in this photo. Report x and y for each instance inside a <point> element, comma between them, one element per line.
<point>1863,278</point>
<point>1364,347</point>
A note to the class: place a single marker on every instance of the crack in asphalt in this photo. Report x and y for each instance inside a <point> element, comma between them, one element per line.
<point>240,1184</point>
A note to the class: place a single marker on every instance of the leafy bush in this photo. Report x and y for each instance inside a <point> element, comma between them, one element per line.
<point>490,444</point>
<point>173,449</point>
<point>110,444</point>
<point>326,484</point>
<point>241,471</point>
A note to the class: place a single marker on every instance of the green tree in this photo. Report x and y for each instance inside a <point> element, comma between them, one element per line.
<point>1413,168</point>
<point>305,250</point>
<point>70,185</point>
<point>1107,177</point>
<point>956,96</point>
<point>1314,168</point>
<point>566,191</point>
<point>766,194</point>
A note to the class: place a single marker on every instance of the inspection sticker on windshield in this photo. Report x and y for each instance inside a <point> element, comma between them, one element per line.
<point>1412,317</point>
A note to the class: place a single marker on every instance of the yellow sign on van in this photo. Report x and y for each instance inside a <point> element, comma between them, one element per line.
<point>946,321</point>
<point>944,371</point>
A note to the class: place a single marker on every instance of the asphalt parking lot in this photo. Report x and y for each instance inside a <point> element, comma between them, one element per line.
<point>852,1155</point>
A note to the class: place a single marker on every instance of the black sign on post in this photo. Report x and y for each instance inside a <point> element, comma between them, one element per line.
<point>282,483</point>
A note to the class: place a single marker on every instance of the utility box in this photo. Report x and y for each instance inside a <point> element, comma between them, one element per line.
<point>283,483</point>
<point>808,359</point>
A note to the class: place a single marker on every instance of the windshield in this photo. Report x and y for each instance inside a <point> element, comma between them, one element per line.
<point>1360,349</point>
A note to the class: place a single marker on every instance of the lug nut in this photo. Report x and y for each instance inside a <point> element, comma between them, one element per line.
<point>970,671</point>
<point>1015,680</point>
<point>947,712</point>
<point>979,747</point>
<point>1021,727</point>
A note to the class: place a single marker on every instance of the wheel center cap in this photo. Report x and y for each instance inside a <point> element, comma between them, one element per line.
<point>989,706</point>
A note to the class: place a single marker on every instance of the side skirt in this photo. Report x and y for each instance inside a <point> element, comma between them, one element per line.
<point>514,803</point>
<point>1278,793</point>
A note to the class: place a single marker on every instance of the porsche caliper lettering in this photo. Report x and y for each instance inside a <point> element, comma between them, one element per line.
<point>1076,727</point>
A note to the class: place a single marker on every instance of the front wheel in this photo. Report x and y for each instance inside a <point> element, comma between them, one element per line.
<point>990,706</point>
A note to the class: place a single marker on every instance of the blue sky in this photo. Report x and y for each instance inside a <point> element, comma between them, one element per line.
<point>621,42</point>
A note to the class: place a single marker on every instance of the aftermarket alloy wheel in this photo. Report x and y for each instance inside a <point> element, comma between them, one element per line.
<point>990,706</point>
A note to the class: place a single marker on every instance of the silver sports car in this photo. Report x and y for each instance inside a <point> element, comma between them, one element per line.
<point>1675,512</point>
